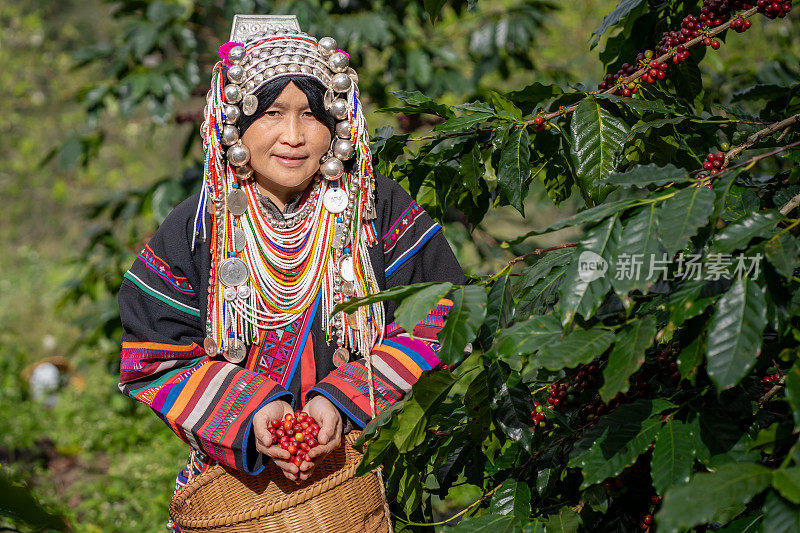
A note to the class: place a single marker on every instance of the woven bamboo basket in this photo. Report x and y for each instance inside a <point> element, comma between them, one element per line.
<point>332,500</point>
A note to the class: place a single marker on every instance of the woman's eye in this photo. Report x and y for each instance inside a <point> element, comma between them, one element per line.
<point>272,113</point>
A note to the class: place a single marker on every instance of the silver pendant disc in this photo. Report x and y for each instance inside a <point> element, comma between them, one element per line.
<point>346,268</point>
<point>249,104</point>
<point>210,346</point>
<point>235,353</point>
<point>335,200</point>
<point>349,288</point>
<point>233,272</point>
<point>229,293</point>
<point>244,292</point>
<point>237,202</point>
<point>340,357</point>
<point>239,239</point>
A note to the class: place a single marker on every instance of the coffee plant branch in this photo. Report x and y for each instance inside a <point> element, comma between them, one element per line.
<point>762,134</point>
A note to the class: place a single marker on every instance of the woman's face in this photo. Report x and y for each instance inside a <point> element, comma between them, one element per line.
<point>286,144</point>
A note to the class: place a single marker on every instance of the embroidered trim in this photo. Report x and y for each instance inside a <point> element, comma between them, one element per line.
<point>403,223</point>
<point>408,254</point>
<point>160,267</point>
<point>172,302</point>
<point>279,350</point>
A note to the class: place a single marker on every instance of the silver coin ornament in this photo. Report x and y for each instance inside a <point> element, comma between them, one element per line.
<point>332,168</point>
<point>231,113</point>
<point>343,149</point>
<point>237,202</point>
<point>236,54</point>
<point>236,352</point>
<point>349,288</point>
<point>230,134</point>
<point>210,346</point>
<point>229,293</point>
<point>340,357</point>
<point>327,46</point>
<point>239,239</point>
<point>233,93</point>
<point>339,108</point>
<point>346,269</point>
<point>344,130</point>
<point>338,62</point>
<point>243,172</point>
<point>243,292</point>
<point>238,155</point>
<point>249,104</point>
<point>233,272</point>
<point>341,83</point>
<point>335,200</point>
<point>235,74</point>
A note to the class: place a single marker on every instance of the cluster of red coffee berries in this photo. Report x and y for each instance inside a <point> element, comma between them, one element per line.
<point>769,381</point>
<point>665,360</point>
<point>772,9</point>
<point>740,25</point>
<point>537,416</point>
<point>296,434</point>
<point>647,520</point>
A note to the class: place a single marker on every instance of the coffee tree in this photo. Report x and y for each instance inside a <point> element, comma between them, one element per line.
<point>646,375</point>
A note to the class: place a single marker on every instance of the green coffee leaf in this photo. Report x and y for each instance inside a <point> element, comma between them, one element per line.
<point>734,334</point>
<point>627,356</point>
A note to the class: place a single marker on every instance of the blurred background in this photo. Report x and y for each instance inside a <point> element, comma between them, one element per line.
<point>100,126</point>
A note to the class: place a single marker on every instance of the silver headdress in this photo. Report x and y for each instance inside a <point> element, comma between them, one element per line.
<point>262,49</point>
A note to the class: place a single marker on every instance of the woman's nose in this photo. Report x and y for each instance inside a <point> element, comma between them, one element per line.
<point>292,133</point>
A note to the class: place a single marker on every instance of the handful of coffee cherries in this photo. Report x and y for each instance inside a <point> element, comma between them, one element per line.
<point>296,434</point>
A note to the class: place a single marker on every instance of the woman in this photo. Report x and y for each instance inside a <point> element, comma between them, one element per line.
<point>227,310</point>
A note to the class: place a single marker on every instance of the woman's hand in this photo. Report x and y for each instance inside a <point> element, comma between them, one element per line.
<point>274,409</point>
<point>330,431</point>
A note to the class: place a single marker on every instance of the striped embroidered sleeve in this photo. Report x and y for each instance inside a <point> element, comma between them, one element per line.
<point>207,403</point>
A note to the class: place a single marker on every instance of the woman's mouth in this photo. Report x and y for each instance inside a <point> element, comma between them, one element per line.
<point>289,160</point>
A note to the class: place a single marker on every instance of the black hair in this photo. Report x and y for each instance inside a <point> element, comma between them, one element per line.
<point>311,87</point>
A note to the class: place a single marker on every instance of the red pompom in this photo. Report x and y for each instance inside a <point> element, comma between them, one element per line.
<point>225,50</point>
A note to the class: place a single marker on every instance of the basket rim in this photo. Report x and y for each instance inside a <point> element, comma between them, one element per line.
<point>282,503</point>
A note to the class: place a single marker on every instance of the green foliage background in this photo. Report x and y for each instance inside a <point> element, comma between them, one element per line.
<point>101,143</point>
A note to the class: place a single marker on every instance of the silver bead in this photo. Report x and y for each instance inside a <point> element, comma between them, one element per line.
<point>235,74</point>
<point>269,73</point>
<point>305,69</point>
<point>327,46</point>
<point>272,61</point>
<point>344,130</point>
<point>238,155</point>
<point>258,78</point>
<point>282,225</point>
<point>294,68</point>
<point>232,114</point>
<point>332,168</point>
<point>339,108</point>
<point>338,62</point>
<point>286,59</point>
<point>341,83</point>
<point>233,93</point>
<point>230,134</point>
<point>343,149</point>
<point>297,59</point>
<point>236,55</point>
<point>353,75</point>
<point>250,85</point>
<point>281,69</point>
<point>244,172</point>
